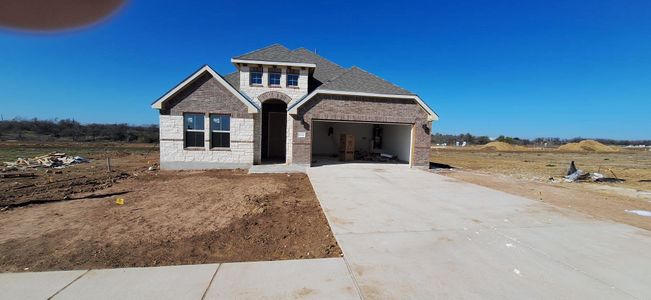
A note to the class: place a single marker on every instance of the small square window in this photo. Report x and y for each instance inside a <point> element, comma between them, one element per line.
<point>255,77</point>
<point>292,80</point>
<point>274,78</point>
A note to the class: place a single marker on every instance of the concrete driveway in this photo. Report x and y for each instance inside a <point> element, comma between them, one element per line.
<point>413,234</point>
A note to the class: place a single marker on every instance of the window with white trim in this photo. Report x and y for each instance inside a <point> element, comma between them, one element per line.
<point>274,77</point>
<point>292,77</point>
<point>220,131</point>
<point>194,130</point>
<point>255,76</point>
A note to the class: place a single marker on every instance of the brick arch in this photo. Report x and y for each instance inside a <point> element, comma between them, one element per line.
<point>274,95</point>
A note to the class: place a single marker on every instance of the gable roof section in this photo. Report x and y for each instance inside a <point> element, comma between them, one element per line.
<point>357,82</point>
<point>158,104</point>
<point>274,53</point>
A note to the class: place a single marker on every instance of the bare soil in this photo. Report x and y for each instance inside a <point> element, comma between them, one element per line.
<point>168,218</point>
<point>528,173</point>
<point>634,166</point>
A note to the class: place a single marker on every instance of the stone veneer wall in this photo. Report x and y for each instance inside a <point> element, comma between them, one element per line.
<point>254,91</point>
<point>206,96</point>
<point>173,154</point>
<point>364,109</point>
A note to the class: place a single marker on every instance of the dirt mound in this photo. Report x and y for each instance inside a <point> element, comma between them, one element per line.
<point>502,146</point>
<point>587,146</point>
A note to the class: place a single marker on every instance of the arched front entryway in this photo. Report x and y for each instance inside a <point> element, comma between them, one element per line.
<point>274,131</point>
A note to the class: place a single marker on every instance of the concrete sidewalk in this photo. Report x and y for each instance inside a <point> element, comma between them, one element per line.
<point>326,278</point>
<point>412,234</point>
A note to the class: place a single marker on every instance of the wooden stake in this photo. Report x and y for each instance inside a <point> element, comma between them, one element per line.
<point>108,164</point>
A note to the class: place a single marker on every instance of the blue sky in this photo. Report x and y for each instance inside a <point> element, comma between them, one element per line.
<point>518,68</point>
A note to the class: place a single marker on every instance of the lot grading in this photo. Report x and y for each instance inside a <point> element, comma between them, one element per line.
<point>539,175</point>
<point>168,217</point>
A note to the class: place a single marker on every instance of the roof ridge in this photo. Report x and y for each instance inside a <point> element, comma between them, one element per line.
<point>380,78</point>
<point>263,48</point>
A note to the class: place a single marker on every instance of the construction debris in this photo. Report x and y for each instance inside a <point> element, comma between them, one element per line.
<point>54,160</point>
<point>572,169</point>
<point>16,175</point>
<point>574,174</point>
<point>643,213</point>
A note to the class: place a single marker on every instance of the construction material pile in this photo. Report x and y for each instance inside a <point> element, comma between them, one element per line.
<point>587,146</point>
<point>575,175</point>
<point>54,160</point>
<point>502,146</point>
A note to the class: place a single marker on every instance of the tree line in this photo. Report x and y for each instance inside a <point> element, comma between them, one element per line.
<point>39,130</point>
<point>450,139</point>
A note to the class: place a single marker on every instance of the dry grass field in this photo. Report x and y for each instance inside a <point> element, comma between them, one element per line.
<point>634,166</point>
<point>538,174</point>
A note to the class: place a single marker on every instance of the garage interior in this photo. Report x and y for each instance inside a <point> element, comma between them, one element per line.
<point>372,142</point>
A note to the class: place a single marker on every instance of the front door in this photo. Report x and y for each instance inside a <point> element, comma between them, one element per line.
<point>277,126</point>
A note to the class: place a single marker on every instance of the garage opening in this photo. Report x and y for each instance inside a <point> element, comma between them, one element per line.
<point>340,142</point>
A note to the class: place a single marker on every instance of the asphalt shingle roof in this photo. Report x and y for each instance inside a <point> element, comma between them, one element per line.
<point>358,80</point>
<point>325,69</point>
<point>233,79</point>
<point>327,75</point>
<point>275,52</point>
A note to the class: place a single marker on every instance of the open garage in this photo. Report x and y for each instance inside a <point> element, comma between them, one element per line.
<point>388,142</point>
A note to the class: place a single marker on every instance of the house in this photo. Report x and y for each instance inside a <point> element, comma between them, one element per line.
<point>288,106</point>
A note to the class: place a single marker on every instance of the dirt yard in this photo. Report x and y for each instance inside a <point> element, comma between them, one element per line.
<point>168,218</point>
<point>528,174</point>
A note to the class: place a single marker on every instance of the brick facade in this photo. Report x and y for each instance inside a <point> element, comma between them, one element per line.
<point>360,109</point>
<point>206,96</point>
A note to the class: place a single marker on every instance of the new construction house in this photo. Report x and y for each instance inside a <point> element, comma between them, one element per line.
<point>293,107</point>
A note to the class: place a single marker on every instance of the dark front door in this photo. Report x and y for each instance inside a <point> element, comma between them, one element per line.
<point>277,126</point>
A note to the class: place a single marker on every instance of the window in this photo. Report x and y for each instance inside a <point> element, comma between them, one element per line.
<point>292,77</point>
<point>274,77</point>
<point>220,131</point>
<point>194,129</point>
<point>255,76</point>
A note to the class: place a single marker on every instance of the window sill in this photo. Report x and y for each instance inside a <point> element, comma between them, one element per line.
<point>255,85</point>
<point>194,148</point>
<point>220,149</point>
<point>275,86</point>
<point>293,87</point>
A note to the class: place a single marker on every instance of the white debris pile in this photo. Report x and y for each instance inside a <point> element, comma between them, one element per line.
<point>643,213</point>
<point>574,175</point>
<point>55,160</point>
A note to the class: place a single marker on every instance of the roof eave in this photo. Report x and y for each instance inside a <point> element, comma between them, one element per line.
<point>274,63</point>
<point>158,104</point>
<point>432,116</point>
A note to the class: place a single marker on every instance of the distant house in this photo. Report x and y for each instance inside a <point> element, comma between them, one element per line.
<point>288,106</point>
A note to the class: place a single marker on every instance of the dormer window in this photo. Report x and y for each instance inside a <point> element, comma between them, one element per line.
<point>255,77</point>
<point>274,77</point>
<point>292,77</point>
